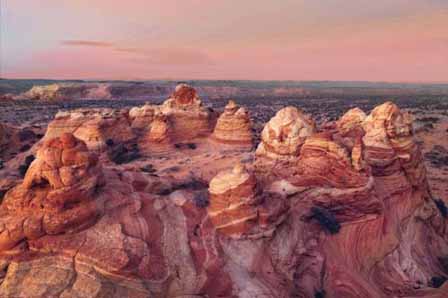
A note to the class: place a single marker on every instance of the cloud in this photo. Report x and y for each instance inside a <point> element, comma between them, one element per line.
<point>87,43</point>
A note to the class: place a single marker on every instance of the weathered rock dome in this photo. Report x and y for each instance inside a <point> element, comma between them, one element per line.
<point>283,136</point>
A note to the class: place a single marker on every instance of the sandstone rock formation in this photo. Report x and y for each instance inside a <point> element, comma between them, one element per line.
<point>237,207</point>
<point>320,226</point>
<point>233,127</point>
<point>57,194</point>
<point>93,126</point>
<point>232,201</point>
<point>284,134</point>
<point>158,138</point>
<point>188,116</point>
<point>389,144</point>
<point>141,117</point>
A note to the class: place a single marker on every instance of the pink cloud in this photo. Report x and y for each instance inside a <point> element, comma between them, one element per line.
<point>86,43</point>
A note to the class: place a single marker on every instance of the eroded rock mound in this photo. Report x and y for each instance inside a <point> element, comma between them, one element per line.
<point>57,194</point>
<point>189,118</point>
<point>233,127</point>
<point>345,212</point>
<point>237,207</point>
<point>142,117</point>
<point>283,136</point>
<point>93,126</point>
<point>158,138</point>
<point>390,146</point>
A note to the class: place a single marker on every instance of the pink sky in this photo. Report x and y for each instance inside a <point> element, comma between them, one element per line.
<point>382,40</point>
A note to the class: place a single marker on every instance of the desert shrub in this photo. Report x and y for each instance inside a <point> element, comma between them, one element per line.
<point>320,294</point>
<point>326,219</point>
<point>121,154</point>
<point>148,168</point>
<point>192,146</point>
<point>24,167</point>
<point>437,281</point>
<point>26,134</point>
<point>109,142</point>
<point>201,199</point>
<point>25,147</point>
<point>442,207</point>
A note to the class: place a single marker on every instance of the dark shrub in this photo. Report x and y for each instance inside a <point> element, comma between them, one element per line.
<point>437,281</point>
<point>24,167</point>
<point>319,294</point>
<point>192,146</point>
<point>148,169</point>
<point>29,159</point>
<point>26,134</point>
<point>201,199</point>
<point>25,147</point>
<point>109,142</point>
<point>326,219</point>
<point>442,207</point>
<point>121,154</point>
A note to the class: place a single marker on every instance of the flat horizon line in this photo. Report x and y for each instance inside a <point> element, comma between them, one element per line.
<point>234,80</point>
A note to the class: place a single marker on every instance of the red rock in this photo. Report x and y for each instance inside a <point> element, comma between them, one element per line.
<point>233,127</point>
<point>93,126</point>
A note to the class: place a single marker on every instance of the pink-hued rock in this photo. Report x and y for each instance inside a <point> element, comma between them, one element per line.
<point>93,126</point>
<point>284,134</point>
<point>233,127</point>
<point>57,194</point>
<point>345,212</point>
<point>189,118</point>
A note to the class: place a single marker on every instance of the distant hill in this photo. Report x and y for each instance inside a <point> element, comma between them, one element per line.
<point>227,88</point>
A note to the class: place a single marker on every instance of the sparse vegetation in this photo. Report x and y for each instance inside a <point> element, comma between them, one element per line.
<point>437,281</point>
<point>24,167</point>
<point>326,219</point>
<point>320,294</point>
<point>442,207</point>
<point>201,199</point>
<point>121,154</point>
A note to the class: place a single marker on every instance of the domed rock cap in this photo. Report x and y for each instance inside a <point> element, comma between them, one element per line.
<point>183,95</point>
<point>350,124</point>
<point>390,145</point>
<point>283,136</point>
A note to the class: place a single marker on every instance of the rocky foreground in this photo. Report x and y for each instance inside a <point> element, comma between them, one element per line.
<point>175,200</point>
